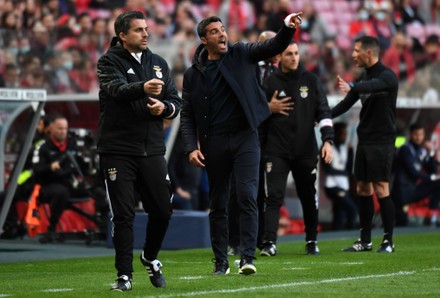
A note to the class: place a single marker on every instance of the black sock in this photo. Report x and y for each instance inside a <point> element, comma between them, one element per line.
<point>366,212</point>
<point>387,214</point>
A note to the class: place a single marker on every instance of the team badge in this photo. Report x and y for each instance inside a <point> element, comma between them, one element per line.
<point>112,174</point>
<point>158,71</point>
<point>268,167</point>
<point>303,91</point>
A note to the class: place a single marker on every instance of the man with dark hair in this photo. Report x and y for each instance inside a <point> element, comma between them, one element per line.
<point>136,94</point>
<point>415,174</point>
<point>222,109</point>
<point>377,90</point>
<point>291,146</point>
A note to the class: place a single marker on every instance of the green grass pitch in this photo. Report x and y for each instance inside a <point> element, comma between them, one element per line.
<point>412,271</point>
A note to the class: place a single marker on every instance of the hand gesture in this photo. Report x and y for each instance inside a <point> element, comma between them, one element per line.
<point>196,158</point>
<point>293,20</point>
<point>153,86</point>
<point>343,85</point>
<point>327,152</point>
<point>155,106</point>
<point>280,106</point>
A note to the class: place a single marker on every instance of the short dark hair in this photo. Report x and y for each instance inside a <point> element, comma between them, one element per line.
<point>415,126</point>
<point>201,27</point>
<point>123,21</point>
<point>369,42</point>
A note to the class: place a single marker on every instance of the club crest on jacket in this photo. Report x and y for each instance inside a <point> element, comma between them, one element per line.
<point>158,71</point>
<point>112,174</point>
<point>304,91</point>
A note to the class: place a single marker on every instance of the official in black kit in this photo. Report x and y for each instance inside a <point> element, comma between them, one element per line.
<point>377,89</point>
<point>291,145</point>
<point>136,93</point>
<point>223,106</point>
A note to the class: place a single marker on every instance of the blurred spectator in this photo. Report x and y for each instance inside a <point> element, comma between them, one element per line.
<point>416,175</point>
<point>337,181</point>
<point>277,11</point>
<point>239,14</point>
<point>11,78</point>
<point>11,20</point>
<point>185,179</point>
<point>383,24</point>
<point>406,12</point>
<point>361,24</point>
<point>431,50</point>
<point>400,59</point>
<point>56,172</point>
<point>430,11</point>
<point>312,28</point>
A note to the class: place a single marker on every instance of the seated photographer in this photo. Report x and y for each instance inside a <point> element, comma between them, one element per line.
<point>58,169</point>
<point>416,175</point>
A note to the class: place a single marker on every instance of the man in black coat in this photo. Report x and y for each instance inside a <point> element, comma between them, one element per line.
<point>290,145</point>
<point>136,94</point>
<point>223,106</point>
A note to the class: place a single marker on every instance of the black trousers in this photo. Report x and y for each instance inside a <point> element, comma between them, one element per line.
<point>123,175</point>
<point>238,152</point>
<point>304,173</point>
<point>234,225</point>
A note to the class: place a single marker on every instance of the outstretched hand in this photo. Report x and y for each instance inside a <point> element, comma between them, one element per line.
<point>293,20</point>
<point>343,85</point>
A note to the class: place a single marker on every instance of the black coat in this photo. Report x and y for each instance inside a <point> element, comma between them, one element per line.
<point>238,68</point>
<point>293,136</point>
<point>125,123</point>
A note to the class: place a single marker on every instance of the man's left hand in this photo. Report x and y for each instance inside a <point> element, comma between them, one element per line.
<point>156,107</point>
<point>327,152</point>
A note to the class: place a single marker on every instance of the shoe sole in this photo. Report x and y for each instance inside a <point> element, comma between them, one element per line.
<point>247,270</point>
<point>266,254</point>
<point>221,273</point>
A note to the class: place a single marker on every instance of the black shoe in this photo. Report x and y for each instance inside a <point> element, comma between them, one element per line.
<point>247,265</point>
<point>386,246</point>
<point>312,248</point>
<point>359,246</point>
<point>123,283</point>
<point>154,272</point>
<point>269,250</point>
<point>221,267</point>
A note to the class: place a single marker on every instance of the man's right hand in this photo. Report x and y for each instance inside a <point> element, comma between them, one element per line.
<point>153,86</point>
<point>196,157</point>
<point>280,106</point>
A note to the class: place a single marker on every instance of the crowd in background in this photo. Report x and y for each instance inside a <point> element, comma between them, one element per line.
<point>55,44</point>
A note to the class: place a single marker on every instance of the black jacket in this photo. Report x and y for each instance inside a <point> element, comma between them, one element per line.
<point>47,153</point>
<point>125,123</point>
<point>293,136</point>
<point>377,89</point>
<point>413,164</point>
<point>238,68</point>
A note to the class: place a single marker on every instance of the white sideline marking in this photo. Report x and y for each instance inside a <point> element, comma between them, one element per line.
<point>295,268</point>
<point>293,284</point>
<point>57,290</point>
<point>5,295</point>
<point>192,277</point>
